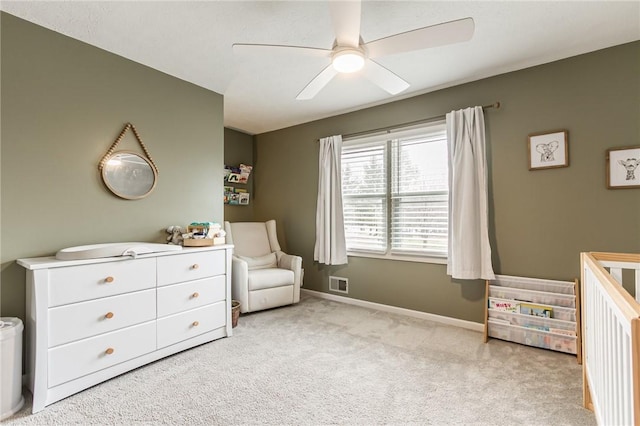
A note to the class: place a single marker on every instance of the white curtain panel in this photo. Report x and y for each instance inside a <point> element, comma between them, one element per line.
<point>469,252</point>
<point>331,247</point>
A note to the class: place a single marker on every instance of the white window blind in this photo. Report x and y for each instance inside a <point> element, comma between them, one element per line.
<point>395,192</point>
<point>364,194</point>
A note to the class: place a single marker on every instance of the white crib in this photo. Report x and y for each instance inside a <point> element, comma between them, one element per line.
<point>611,337</point>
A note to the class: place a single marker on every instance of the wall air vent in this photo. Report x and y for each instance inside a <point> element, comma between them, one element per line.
<point>339,284</point>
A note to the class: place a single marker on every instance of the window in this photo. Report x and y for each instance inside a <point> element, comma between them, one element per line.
<point>395,193</point>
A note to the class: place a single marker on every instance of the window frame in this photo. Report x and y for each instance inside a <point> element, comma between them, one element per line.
<point>387,139</point>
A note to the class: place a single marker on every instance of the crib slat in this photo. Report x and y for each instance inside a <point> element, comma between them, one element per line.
<point>626,366</point>
<point>616,273</point>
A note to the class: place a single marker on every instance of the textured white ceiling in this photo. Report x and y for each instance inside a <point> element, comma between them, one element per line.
<point>192,40</point>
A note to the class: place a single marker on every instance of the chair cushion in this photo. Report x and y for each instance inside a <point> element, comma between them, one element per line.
<point>267,261</point>
<point>267,278</point>
<point>250,239</point>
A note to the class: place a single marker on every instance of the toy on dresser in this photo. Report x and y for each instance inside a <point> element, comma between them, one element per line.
<point>175,235</point>
<point>198,234</point>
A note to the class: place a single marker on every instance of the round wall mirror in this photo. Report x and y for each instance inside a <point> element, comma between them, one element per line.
<point>129,175</point>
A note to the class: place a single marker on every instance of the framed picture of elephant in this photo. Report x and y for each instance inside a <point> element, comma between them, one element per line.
<point>622,167</point>
<point>548,150</point>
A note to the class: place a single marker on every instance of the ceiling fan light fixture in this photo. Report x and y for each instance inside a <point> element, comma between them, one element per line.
<point>348,60</point>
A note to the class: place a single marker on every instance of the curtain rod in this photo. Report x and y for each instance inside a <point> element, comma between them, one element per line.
<point>495,105</point>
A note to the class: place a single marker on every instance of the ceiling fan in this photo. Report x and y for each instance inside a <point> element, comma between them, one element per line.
<point>350,54</point>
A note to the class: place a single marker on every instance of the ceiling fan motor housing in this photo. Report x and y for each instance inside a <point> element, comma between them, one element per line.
<point>347,59</point>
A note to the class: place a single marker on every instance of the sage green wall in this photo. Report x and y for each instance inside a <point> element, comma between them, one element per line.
<point>540,220</point>
<point>238,149</point>
<point>63,104</point>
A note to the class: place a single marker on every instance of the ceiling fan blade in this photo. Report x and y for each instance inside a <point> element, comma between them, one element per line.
<point>345,16</point>
<point>249,48</point>
<point>384,78</point>
<point>317,83</point>
<point>423,38</point>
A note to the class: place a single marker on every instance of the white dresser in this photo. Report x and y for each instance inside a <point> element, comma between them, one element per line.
<point>90,320</point>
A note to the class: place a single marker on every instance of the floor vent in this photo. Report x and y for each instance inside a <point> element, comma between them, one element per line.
<point>341,285</point>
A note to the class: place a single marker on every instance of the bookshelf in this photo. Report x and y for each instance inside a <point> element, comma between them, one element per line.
<point>534,312</point>
<point>235,181</point>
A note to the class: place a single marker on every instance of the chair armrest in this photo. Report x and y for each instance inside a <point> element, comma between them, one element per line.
<point>289,261</point>
<point>293,263</point>
<point>240,282</point>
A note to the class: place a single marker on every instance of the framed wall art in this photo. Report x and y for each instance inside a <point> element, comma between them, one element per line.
<point>548,150</point>
<point>622,167</point>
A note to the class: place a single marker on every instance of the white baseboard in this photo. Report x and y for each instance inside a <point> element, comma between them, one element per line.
<point>469,325</point>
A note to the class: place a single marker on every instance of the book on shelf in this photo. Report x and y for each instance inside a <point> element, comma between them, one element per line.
<point>544,311</point>
<point>236,196</point>
<point>243,198</point>
<point>237,174</point>
<point>562,331</point>
<point>537,327</point>
<point>537,339</point>
<point>505,305</point>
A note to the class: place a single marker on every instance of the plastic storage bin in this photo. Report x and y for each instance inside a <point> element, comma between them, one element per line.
<point>533,296</point>
<point>533,337</point>
<point>11,399</point>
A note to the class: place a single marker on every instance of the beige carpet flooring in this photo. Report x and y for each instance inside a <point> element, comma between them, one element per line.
<point>322,362</point>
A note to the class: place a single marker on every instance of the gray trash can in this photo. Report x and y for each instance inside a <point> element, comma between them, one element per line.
<point>11,399</point>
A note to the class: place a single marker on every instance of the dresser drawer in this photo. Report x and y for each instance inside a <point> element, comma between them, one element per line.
<point>190,266</point>
<point>85,282</point>
<point>183,326</point>
<point>87,356</point>
<point>85,319</point>
<point>190,295</point>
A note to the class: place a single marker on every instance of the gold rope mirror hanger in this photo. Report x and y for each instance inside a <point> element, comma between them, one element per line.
<point>128,175</point>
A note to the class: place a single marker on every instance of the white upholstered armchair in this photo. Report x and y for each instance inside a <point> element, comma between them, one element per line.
<point>262,276</point>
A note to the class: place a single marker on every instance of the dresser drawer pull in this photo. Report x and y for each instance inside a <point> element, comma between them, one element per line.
<point>195,266</point>
<point>109,315</point>
<point>109,351</point>
<point>195,324</point>
<point>194,295</point>
<point>108,279</point>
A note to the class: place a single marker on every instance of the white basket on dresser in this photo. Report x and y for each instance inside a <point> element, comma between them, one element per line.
<point>90,320</point>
